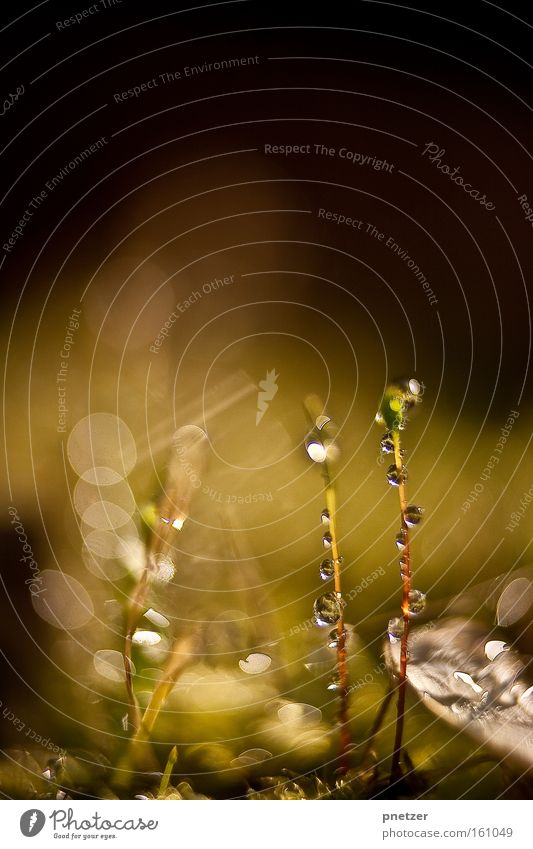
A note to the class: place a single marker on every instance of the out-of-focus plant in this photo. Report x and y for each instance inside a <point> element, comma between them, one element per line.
<point>184,474</point>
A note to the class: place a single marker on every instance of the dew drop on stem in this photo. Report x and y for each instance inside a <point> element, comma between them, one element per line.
<point>395,629</point>
<point>395,476</point>
<point>387,443</point>
<point>327,569</point>
<point>327,609</point>
<point>334,684</point>
<point>417,602</point>
<point>333,638</point>
<point>413,515</point>
<point>401,540</point>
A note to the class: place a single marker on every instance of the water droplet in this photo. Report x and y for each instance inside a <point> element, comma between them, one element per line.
<point>146,638</point>
<point>404,567</point>
<point>315,449</point>
<point>396,476</point>
<point>334,684</point>
<point>324,518</point>
<point>413,515</point>
<point>156,618</point>
<point>395,629</point>
<point>414,386</point>
<point>467,679</point>
<point>326,540</point>
<point>417,602</point>
<point>255,663</point>
<point>387,443</point>
<point>333,638</point>
<point>327,569</point>
<point>379,418</point>
<point>401,539</point>
<point>327,610</point>
<point>494,648</point>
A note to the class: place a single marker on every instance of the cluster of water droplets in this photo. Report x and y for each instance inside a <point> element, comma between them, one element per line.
<point>327,608</point>
<point>398,400</point>
<point>396,626</point>
<point>320,443</point>
<point>499,685</point>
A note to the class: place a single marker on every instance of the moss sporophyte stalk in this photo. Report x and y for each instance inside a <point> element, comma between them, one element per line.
<point>321,446</point>
<point>398,399</point>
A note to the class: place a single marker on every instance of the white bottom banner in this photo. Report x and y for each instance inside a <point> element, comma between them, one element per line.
<point>254,823</point>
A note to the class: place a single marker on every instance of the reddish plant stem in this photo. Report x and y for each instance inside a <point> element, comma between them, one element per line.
<point>406,589</point>
<point>376,725</point>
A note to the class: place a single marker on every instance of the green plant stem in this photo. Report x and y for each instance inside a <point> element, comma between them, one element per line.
<point>406,589</point>
<point>341,633</point>
<point>183,653</point>
<point>172,758</point>
<point>135,609</point>
<point>159,544</point>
